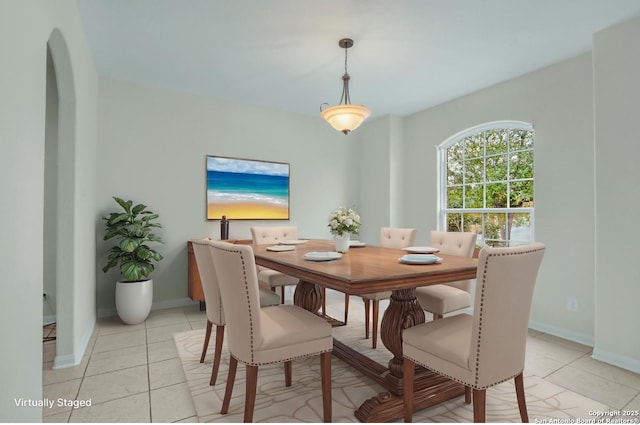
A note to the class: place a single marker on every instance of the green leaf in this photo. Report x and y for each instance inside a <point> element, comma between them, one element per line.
<point>128,244</point>
<point>138,209</point>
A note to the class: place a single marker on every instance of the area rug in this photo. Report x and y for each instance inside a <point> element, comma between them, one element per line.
<point>302,401</point>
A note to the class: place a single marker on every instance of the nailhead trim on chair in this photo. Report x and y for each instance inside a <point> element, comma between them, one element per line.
<point>484,275</point>
<point>246,287</point>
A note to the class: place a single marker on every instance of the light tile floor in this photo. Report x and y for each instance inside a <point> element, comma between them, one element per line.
<point>133,373</point>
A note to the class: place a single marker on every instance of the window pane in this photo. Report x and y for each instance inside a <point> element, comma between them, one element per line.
<point>473,196</point>
<point>521,194</point>
<point>521,165</point>
<point>454,197</point>
<point>474,146</point>
<point>472,223</point>
<point>520,229</point>
<point>454,222</point>
<point>496,168</point>
<point>497,195</point>
<point>496,141</point>
<point>520,139</point>
<point>454,172</point>
<point>474,170</point>
<point>495,230</point>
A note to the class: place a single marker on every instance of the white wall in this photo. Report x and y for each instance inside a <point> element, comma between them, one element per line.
<point>617,90</point>
<point>152,148</point>
<point>25,28</point>
<point>558,101</point>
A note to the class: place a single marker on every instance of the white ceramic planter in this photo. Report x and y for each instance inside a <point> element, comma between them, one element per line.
<point>133,301</point>
<point>342,242</point>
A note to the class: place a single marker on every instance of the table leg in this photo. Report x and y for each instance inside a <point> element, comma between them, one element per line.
<point>403,312</point>
<point>310,296</point>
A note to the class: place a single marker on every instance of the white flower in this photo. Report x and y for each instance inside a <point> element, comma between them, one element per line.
<point>343,220</point>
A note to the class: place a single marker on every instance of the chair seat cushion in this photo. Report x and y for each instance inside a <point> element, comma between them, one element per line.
<point>377,296</point>
<point>442,299</point>
<point>274,278</point>
<point>289,332</point>
<point>442,345</point>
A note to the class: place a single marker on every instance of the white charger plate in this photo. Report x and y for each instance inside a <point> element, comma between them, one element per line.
<point>322,256</point>
<point>357,244</point>
<point>279,248</point>
<point>420,259</point>
<point>421,249</point>
<point>292,242</point>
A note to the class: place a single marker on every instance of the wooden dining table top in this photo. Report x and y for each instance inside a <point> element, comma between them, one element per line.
<point>364,269</point>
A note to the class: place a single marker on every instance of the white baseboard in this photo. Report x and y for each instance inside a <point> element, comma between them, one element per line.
<point>579,337</point>
<point>74,359</point>
<point>161,305</point>
<point>617,360</point>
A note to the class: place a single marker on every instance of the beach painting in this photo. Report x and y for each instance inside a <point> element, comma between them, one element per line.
<point>246,189</point>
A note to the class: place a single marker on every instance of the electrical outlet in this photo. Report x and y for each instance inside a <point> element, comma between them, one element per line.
<point>572,304</point>
<point>45,296</point>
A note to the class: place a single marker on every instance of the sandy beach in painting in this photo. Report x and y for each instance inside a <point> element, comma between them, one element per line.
<point>246,210</point>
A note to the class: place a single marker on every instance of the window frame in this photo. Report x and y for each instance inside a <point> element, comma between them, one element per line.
<point>442,176</point>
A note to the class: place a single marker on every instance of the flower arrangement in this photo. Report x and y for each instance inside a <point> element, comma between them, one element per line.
<point>343,220</point>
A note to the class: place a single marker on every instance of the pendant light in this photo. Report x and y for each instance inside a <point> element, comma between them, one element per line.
<point>345,117</point>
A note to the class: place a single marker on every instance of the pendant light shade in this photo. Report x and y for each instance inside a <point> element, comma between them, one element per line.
<point>345,117</point>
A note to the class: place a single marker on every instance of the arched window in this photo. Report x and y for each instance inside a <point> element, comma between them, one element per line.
<point>486,183</point>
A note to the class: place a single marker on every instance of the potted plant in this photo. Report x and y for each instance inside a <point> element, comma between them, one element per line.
<point>132,229</point>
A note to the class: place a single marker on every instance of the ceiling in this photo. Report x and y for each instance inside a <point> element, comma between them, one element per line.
<point>408,54</point>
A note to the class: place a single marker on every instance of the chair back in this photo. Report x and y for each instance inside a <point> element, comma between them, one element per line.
<point>505,281</point>
<point>395,237</point>
<point>209,280</point>
<point>236,270</point>
<point>455,243</point>
<point>273,235</point>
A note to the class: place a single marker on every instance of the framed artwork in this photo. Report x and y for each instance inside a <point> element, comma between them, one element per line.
<point>247,189</point>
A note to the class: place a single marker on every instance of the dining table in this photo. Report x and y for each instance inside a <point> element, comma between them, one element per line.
<point>364,270</point>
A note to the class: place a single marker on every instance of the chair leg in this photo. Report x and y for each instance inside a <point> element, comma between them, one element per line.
<point>282,295</point>
<point>522,405</point>
<point>374,323</point>
<point>323,292</point>
<point>467,395</point>
<point>206,341</point>
<point>436,316</point>
<point>346,308</point>
<point>231,377</point>
<point>325,372</point>
<point>479,399</point>
<point>367,303</point>
<point>287,373</point>
<point>408,372</point>
<point>250,396</point>
<point>217,354</point>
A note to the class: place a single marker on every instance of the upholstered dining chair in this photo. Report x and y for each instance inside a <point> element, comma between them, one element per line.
<point>274,235</point>
<point>261,336</point>
<point>447,297</point>
<point>213,302</point>
<point>488,347</point>
<point>390,237</point>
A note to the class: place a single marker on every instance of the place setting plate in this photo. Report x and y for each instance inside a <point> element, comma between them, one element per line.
<point>357,244</point>
<point>292,241</point>
<point>421,249</point>
<point>420,259</point>
<point>280,248</point>
<point>322,256</point>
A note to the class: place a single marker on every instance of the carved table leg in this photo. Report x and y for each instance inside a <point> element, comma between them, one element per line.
<point>308,296</point>
<point>402,313</point>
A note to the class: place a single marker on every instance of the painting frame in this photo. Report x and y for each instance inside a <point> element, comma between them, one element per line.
<point>246,189</point>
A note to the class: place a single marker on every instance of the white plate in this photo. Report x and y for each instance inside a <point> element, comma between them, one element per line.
<point>420,259</point>
<point>322,256</point>
<point>421,249</point>
<point>279,248</point>
<point>357,244</point>
<point>292,242</point>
